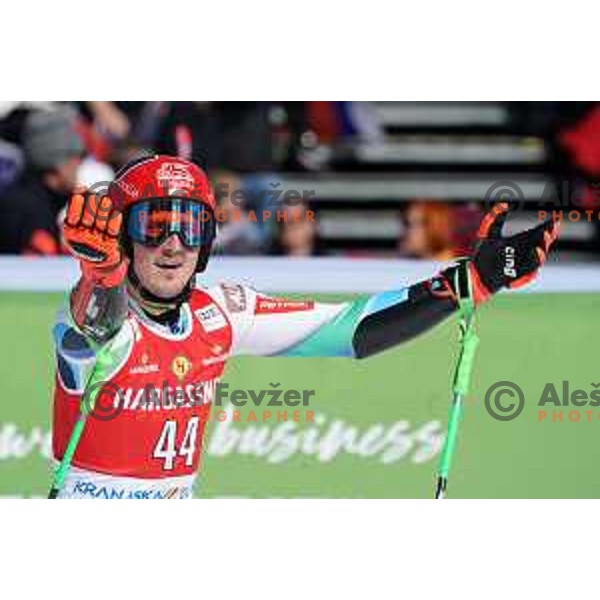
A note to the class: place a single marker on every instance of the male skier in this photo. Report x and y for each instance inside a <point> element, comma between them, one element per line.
<point>140,248</point>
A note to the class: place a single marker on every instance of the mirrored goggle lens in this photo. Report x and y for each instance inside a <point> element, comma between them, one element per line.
<point>151,223</point>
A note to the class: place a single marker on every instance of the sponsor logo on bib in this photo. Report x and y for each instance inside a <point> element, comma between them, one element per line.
<point>181,366</point>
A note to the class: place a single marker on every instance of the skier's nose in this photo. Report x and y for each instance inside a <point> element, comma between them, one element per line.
<point>172,244</point>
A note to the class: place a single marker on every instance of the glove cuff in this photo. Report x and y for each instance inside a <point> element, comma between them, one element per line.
<point>480,293</point>
<point>106,278</point>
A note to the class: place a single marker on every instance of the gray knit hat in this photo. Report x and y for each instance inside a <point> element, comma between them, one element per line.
<point>50,138</point>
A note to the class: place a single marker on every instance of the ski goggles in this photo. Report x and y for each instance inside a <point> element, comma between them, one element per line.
<point>152,222</point>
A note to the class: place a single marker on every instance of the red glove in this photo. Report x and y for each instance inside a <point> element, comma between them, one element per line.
<point>91,233</point>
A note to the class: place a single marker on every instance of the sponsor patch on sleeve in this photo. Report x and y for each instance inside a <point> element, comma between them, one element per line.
<point>211,318</point>
<point>269,306</point>
<point>235,297</point>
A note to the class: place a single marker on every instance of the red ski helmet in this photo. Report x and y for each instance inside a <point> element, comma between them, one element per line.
<point>154,177</point>
<point>159,179</point>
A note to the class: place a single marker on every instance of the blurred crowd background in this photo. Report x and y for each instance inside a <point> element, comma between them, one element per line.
<point>381,178</point>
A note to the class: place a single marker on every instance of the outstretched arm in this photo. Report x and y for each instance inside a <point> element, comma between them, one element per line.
<point>387,323</point>
<point>282,327</point>
<point>364,327</point>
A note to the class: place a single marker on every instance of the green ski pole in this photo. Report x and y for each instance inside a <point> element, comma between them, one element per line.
<point>462,374</point>
<point>93,387</point>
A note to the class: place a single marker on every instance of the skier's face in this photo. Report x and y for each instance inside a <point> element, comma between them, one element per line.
<point>165,270</point>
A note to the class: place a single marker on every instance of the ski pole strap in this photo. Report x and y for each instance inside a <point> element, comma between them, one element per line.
<point>468,337</point>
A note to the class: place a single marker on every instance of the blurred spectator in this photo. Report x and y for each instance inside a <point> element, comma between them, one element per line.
<point>298,234</point>
<point>11,164</point>
<point>295,146</point>
<point>13,113</point>
<point>109,119</point>
<point>334,121</point>
<point>237,234</point>
<point>439,230</point>
<point>228,135</point>
<point>30,208</point>
<point>92,173</point>
<point>112,131</point>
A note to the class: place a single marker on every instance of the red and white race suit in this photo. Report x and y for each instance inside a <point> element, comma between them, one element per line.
<point>151,449</point>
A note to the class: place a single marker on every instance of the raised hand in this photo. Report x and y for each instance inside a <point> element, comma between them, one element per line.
<point>512,261</point>
<point>91,232</point>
